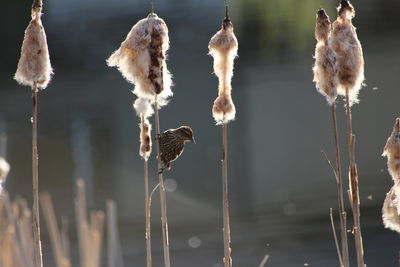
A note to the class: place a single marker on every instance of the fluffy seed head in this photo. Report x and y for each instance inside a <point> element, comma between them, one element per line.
<point>392,152</point>
<point>322,26</point>
<point>390,214</point>
<point>4,169</point>
<point>143,107</point>
<point>34,66</point>
<point>144,110</point>
<point>345,43</point>
<point>141,59</point>
<point>145,139</point>
<point>325,68</point>
<point>223,48</point>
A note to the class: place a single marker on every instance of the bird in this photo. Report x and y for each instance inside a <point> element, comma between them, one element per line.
<point>172,142</point>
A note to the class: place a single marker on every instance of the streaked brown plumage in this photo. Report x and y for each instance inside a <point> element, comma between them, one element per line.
<point>172,142</point>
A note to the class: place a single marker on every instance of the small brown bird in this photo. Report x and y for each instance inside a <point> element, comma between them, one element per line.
<point>172,142</point>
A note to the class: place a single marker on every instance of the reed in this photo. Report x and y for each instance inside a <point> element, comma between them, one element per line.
<point>391,205</point>
<point>223,48</point>
<point>60,252</point>
<point>141,59</point>
<point>326,79</point>
<point>34,70</point>
<point>345,43</point>
<point>144,111</point>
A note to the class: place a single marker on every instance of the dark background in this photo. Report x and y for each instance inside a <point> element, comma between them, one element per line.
<point>280,187</point>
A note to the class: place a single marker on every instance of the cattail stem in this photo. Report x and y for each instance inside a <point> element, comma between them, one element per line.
<point>225,199</point>
<point>163,199</point>
<point>354,190</point>
<point>148,214</point>
<point>35,178</point>
<point>342,212</point>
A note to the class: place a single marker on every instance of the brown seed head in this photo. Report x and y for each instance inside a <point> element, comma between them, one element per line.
<point>390,214</point>
<point>392,152</point>
<point>322,26</point>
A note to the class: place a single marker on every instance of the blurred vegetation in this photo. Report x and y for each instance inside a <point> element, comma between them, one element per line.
<point>273,26</point>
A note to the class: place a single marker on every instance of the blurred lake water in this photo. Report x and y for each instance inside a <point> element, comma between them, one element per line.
<point>280,187</point>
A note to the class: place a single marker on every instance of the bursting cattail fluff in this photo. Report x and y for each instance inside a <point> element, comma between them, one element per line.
<point>141,59</point>
<point>34,68</point>
<point>390,214</point>
<point>4,169</point>
<point>325,68</point>
<point>345,43</point>
<point>223,48</point>
<point>144,111</point>
<point>392,152</point>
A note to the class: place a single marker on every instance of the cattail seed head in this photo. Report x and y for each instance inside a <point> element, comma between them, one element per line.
<point>392,152</point>
<point>345,43</point>
<point>390,211</point>
<point>325,68</point>
<point>4,170</point>
<point>141,59</point>
<point>144,111</point>
<point>223,48</point>
<point>34,67</point>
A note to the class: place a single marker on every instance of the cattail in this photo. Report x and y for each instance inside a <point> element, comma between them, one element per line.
<point>144,111</point>
<point>34,68</point>
<point>4,169</point>
<point>223,48</point>
<point>392,152</point>
<point>345,43</point>
<point>141,59</point>
<point>390,214</point>
<point>325,67</point>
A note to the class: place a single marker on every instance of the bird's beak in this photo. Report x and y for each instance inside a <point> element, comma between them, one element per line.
<point>193,141</point>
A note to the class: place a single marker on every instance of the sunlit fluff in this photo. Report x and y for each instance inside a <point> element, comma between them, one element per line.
<point>325,68</point>
<point>34,68</point>
<point>141,59</point>
<point>390,214</point>
<point>4,170</point>
<point>392,152</point>
<point>144,111</point>
<point>345,43</point>
<point>223,48</point>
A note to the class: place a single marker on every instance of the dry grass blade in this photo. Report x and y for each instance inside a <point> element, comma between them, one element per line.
<point>55,235</point>
<point>114,247</point>
<point>264,261</point>
<point>335,237</point>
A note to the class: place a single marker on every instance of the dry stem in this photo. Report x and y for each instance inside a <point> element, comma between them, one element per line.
<point>163,199</point>
<point>354,191</point>
<point>225,200</point>
<point>148,214</point>
<point>342,212</point>
<point>35,178</point>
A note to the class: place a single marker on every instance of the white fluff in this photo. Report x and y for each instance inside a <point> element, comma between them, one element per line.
<point>34,66</point>
<point>345,43</point>
<point>223,48</point>
<point>390,214</point>
<point>133,59</point>
<point>392,152</point>
<point>4,170</point>
<point>143,107</point>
